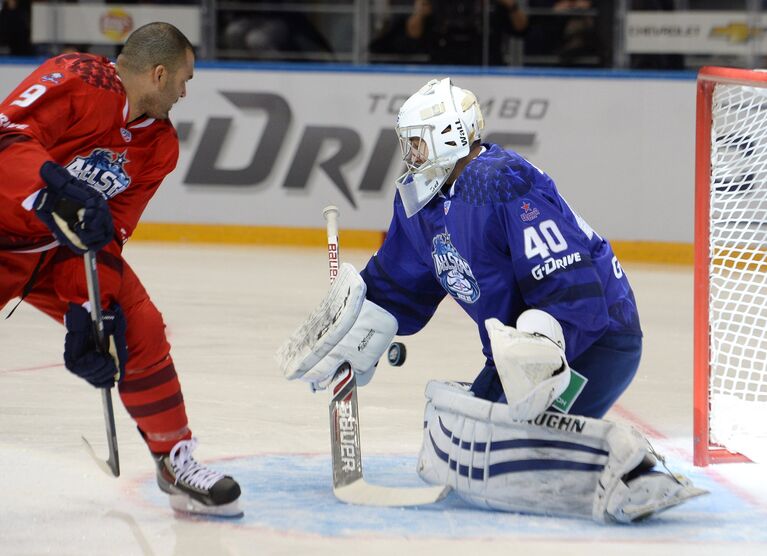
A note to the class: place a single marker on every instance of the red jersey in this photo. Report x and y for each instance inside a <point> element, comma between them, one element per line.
<point>73,110</point>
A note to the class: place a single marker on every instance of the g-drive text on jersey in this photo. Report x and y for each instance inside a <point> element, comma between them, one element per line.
<point>551,265</point>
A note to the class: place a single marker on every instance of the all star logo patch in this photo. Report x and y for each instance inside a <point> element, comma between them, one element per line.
<point>54,77</point>
<point>453,270</point>
<point>103,170</point>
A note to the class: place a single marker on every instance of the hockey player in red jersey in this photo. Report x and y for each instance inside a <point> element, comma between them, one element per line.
<point>84,145</point>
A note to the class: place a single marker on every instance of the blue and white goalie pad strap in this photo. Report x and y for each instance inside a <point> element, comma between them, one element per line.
<point>556,464</point>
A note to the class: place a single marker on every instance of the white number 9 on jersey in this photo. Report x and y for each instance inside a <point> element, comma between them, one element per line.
<point>29,96</point>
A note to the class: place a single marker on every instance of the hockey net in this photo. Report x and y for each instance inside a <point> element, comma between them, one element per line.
<point>730,399</point>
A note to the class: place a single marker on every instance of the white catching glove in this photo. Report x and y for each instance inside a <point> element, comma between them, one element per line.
<point>531,361</point>
<point>345,327</point>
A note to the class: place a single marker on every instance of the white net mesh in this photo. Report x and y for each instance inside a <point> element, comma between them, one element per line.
<point>738,270</point>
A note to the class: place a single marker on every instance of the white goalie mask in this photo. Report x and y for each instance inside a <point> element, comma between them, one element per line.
<point>436,128</point>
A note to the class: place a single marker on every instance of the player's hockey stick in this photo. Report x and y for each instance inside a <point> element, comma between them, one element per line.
<point>111,465</point>
<point>348,483</point>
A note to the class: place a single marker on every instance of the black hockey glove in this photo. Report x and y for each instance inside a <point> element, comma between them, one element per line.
<point>81,354</point>
<point>77,214</point>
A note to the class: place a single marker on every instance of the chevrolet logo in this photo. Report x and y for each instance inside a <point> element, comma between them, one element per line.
<point>737,32</point>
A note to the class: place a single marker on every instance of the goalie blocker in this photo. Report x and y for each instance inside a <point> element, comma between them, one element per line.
<point>345,327</point>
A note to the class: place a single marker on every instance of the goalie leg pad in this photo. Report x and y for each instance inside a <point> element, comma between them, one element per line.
<point>555,465</point>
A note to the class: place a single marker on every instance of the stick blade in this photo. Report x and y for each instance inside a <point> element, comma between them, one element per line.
<point>109,467</point>
<point>361,493</point>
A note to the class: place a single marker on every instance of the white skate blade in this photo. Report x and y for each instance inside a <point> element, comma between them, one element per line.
<point>184,504</point>
<point>640,512</point>
<point>364,494</point>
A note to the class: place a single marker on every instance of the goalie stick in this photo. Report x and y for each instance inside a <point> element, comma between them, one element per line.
<point>112,464</point>
<point>349,485</point>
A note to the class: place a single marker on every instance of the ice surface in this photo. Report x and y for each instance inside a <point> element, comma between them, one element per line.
<point>227,311</point>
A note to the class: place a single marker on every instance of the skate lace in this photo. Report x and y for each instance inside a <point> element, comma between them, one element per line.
<point>190,471</point>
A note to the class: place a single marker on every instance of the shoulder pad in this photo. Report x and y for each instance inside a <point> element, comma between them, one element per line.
<point>496,176</point>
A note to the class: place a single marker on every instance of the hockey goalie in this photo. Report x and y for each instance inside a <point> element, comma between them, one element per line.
<point>509,455</point>
<point>554,309</point>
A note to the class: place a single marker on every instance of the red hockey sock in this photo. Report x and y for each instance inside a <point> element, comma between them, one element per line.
<point>152,396</point>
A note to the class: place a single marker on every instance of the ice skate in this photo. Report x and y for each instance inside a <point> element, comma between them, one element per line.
<point>193,488</point>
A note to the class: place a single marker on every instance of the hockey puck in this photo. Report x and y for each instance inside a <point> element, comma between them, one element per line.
<point>397,354</point>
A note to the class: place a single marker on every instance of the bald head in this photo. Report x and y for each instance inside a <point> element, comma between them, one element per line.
<point>154,67</point>
<point>152,45</point>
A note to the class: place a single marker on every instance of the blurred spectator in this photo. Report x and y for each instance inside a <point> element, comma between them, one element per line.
<point>570,34</point>
<point>451,31</point>
<point>390,39</point>
<point>579,36</point>
<point>273,36</point>
<point>150,1</point>
<point>15,27</point>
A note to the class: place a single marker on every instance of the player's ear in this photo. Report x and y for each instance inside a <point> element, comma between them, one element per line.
<point>159,75</point>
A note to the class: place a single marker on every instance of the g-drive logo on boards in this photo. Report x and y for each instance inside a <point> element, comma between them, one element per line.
<point>328,152</point>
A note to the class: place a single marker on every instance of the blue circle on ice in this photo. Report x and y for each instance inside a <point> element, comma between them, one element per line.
<point>293,493</point>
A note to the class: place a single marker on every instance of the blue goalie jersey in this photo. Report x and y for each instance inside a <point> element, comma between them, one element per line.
<point>502,241</point>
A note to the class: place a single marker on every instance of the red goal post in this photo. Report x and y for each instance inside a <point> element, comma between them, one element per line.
<point>730,276</point>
